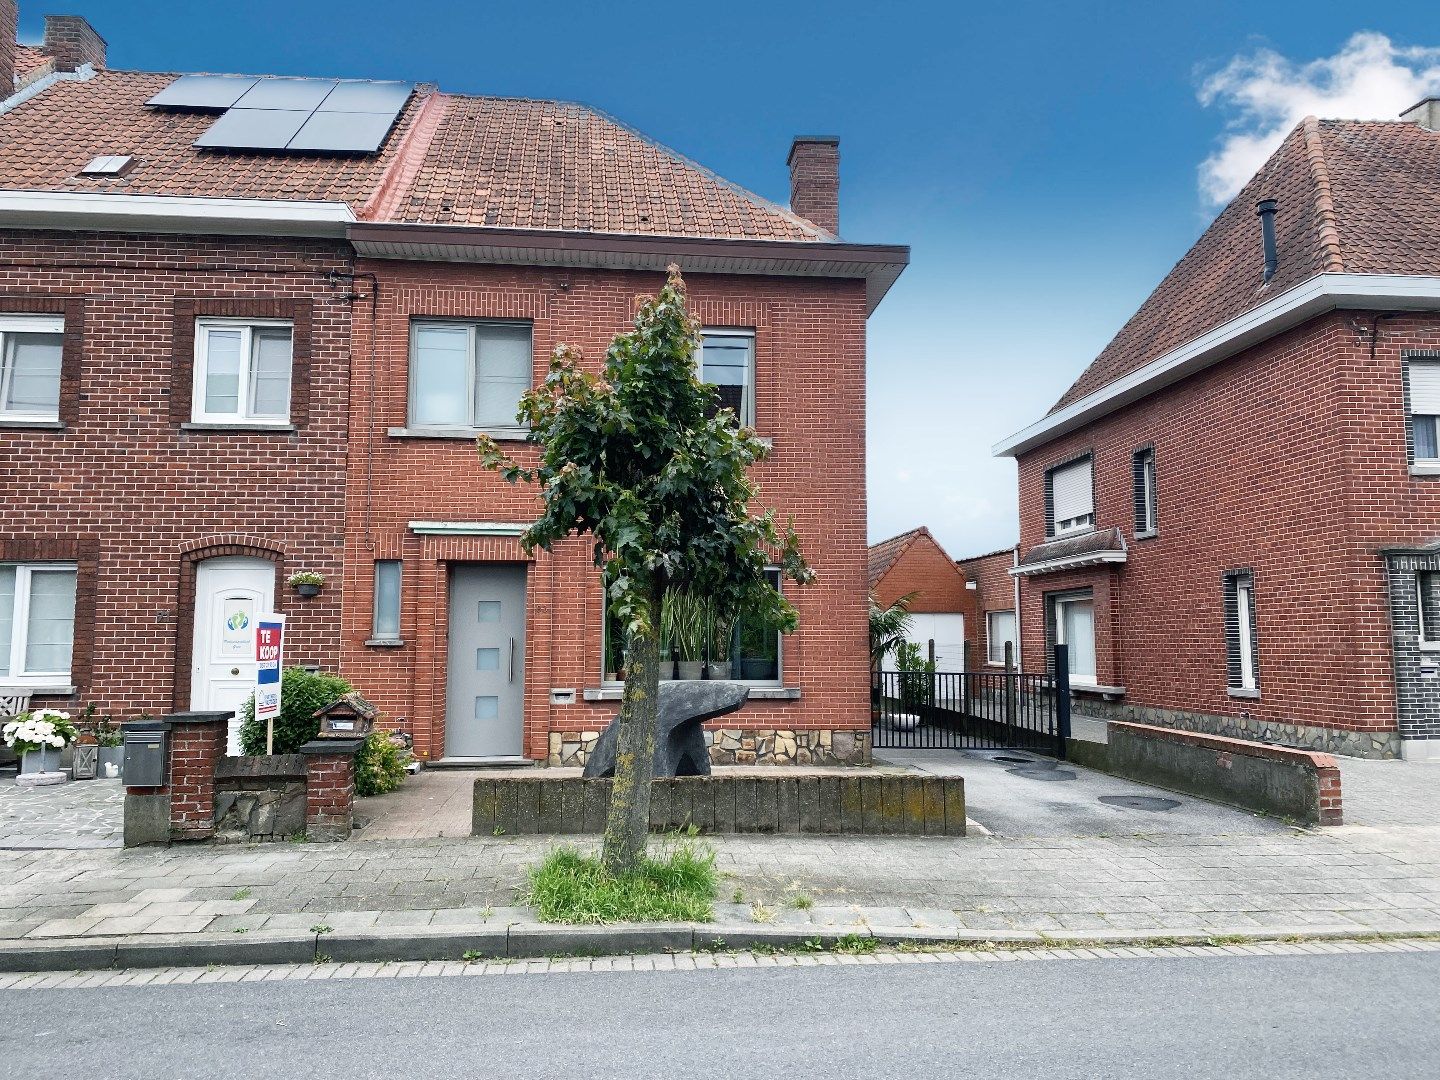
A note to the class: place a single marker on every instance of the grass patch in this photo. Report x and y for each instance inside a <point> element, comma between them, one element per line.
<point>676,886</point>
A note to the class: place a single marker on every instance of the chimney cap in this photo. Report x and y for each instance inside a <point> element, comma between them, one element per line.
<point>1266,206</point>
<point>1425,112</point>
<point>810,140</point>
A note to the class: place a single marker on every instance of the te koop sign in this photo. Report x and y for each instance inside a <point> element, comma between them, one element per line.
<point>269,672</point>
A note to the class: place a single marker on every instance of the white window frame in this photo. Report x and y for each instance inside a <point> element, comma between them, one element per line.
<point>747,409</point>
<point>19,677</point>
<point>247,327</point>
<point>1244,616</point>
<point>1145,458</point>
<point>28,324</point>
<point>1414,363</point>
<point>1090,678</point>
<point>1426,643</point>
<point>992,655</point>
<point>472,373</point>
<point>1081,523</point>
<point>375,634</point>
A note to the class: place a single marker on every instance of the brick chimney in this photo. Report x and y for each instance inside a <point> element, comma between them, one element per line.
<point>1425,113</point>
<point>9,24</point>
<point>815,180</point>
<point>72,42</point>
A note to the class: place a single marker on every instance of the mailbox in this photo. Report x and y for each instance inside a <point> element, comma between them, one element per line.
<point>347,717</point>
<point>144,756</point>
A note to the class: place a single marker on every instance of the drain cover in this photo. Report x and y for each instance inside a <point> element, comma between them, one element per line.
<point>1140,802</point>
<point>1015,760</point>
<point>1045,774</point>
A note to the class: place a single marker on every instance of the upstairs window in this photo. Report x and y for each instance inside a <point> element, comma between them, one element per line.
<point>727,362</point>
<point>1423,387</point>
<point>1142,467</point>
<point>1069,498</point>
<point>30,348</point>
<point>468,374</point>
<point>37,622</point>
<point>242,372</point>
<point>1242,671</point>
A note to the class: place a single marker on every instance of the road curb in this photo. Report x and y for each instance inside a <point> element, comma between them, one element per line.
<point>533,940</point>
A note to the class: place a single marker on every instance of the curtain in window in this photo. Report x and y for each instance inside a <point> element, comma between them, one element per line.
<point>387,599</point>
<point>1000,629</point>
<point>7,616</point>
<point>50,632</point>
<point>270,373</point>
<point>1424,386</point>
<point>503,372</point>
<point>1077,619</point>
<point>440,394</point>
<point>222,371</point>
<point>33,369</point>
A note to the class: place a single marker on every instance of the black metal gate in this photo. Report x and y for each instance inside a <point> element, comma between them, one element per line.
<point>972,710</point>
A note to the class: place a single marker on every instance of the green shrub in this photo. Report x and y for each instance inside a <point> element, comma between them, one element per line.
<point>301,693</point>
<point>679,885</point>
<point>916,676</point>
<point>379,766</point>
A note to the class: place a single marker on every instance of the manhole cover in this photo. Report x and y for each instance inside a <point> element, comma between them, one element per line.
<point>1016,760</point>
<point>1140,802</point>
<point>1044,774</point>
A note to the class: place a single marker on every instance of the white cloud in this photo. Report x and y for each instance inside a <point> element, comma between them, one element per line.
<point>1370,78</point>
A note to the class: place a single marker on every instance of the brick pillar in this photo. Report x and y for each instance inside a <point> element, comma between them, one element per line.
<point>1331,812</point>
<point>183,807</point>
<point>330,788</point>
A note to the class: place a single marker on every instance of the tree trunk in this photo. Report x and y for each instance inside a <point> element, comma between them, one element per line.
<point>628,825</point>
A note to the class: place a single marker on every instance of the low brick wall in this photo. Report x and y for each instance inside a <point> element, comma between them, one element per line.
<point>259,798</point>
<point>885,805</point>
<point>1299,784</point>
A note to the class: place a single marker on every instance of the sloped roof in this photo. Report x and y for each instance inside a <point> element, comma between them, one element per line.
<point>884,554</point>
<point>487,161</point>
<point>29,60</point>
<point>1353,196</point>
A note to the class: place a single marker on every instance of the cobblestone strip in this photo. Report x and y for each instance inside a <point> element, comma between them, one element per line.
<point>681,962</point>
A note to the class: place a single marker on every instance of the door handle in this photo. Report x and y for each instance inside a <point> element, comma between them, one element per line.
<point>512,659</point>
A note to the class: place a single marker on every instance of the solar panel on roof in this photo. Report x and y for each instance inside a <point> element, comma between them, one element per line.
<point>343,132</point>
<point>203,91</point>
<point>367,97</point>
<point>298,94</point>
<point>254,129</point>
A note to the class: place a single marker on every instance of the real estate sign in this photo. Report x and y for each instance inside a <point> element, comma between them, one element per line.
<point>269,671</point>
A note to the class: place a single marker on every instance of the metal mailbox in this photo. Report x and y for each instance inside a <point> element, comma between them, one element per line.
<point>145,758</point>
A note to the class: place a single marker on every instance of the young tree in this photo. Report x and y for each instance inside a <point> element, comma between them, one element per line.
<point>641,459</point>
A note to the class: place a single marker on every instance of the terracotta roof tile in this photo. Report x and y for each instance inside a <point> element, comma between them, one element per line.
<point>505,162</point>
<point>884,554</point>
<point>28,61</point>
<point>1355,196</point>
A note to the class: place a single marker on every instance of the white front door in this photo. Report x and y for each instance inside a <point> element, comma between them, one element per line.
<point>229,593</point>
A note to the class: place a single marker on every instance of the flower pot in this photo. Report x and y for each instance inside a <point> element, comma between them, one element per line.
<point>111,755</point>
<point>719,669</point>
<point>308,590</point>
<point>691,669</point>
<point>40,768</point>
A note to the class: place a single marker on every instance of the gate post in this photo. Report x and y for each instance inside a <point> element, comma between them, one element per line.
<point>1011,689</point>
<point>1062,699</point>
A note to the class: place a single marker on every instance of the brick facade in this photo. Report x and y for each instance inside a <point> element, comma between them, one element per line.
<point>810,342</point>
<point>124,488</point>
<point>1290,460</point>
<point>994,591</point>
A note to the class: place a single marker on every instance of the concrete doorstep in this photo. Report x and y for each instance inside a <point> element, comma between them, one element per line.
<point>525,938</point>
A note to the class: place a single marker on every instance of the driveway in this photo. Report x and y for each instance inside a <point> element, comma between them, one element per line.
<point>77,815</point>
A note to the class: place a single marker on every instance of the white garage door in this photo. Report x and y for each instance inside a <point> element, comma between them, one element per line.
<point>948,632</point>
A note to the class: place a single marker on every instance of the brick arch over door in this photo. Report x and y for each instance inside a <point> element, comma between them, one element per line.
<point>192,555</point>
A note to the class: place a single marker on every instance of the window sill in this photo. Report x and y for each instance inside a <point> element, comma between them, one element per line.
<point>1096,688</point>
<point>239,426</point>
<point>33,425</point>
<point>1148,534</point>
<point>37,689</point>
<point>501,434</point>
<point>757,693</point>
<point>1247,695</point>
<point>1425,468</point>
<point>385,642</point>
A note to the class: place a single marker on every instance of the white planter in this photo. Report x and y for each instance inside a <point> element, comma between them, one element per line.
<point>40,768</point>
<point>903,721</point>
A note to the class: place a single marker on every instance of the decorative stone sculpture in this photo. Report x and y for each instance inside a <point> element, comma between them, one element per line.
<point>679,739</point>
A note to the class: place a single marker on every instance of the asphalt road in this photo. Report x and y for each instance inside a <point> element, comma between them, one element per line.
<point>1231,1017</point>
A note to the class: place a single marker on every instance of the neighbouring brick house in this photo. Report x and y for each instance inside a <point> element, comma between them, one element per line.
<point>1231,518</point>
<point>942,603</point>
<point>995,594</point>
<point>235,352</point>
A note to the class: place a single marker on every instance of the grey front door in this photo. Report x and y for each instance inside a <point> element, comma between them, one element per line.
<point>485,688</point>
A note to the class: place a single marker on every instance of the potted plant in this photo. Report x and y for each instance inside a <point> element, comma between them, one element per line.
<point>39,737</point>
<point>307,583</point>
<point>687,620</point>
<point>721,636</point>
<point>112,747</point>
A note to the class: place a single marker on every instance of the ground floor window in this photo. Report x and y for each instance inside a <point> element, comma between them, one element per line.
<point>999,631</point>
<point>706,643</point>
<point>1241,669</point>
<point>1072,623</point>
<point>37,621</point>
<point>385,621</point>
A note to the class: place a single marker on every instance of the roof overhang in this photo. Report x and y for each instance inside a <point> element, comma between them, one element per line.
<point>1068,562</point>
<point>171,214</point>
<point>878,264</point>
<point>1325,292</point>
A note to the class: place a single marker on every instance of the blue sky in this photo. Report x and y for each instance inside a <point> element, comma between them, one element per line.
<point>1044,161</point>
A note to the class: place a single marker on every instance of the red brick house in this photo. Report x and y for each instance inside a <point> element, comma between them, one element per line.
<point>942,604</point>
<point>1231,518</point>
<point>995,594</point>
<point>244,351</point>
